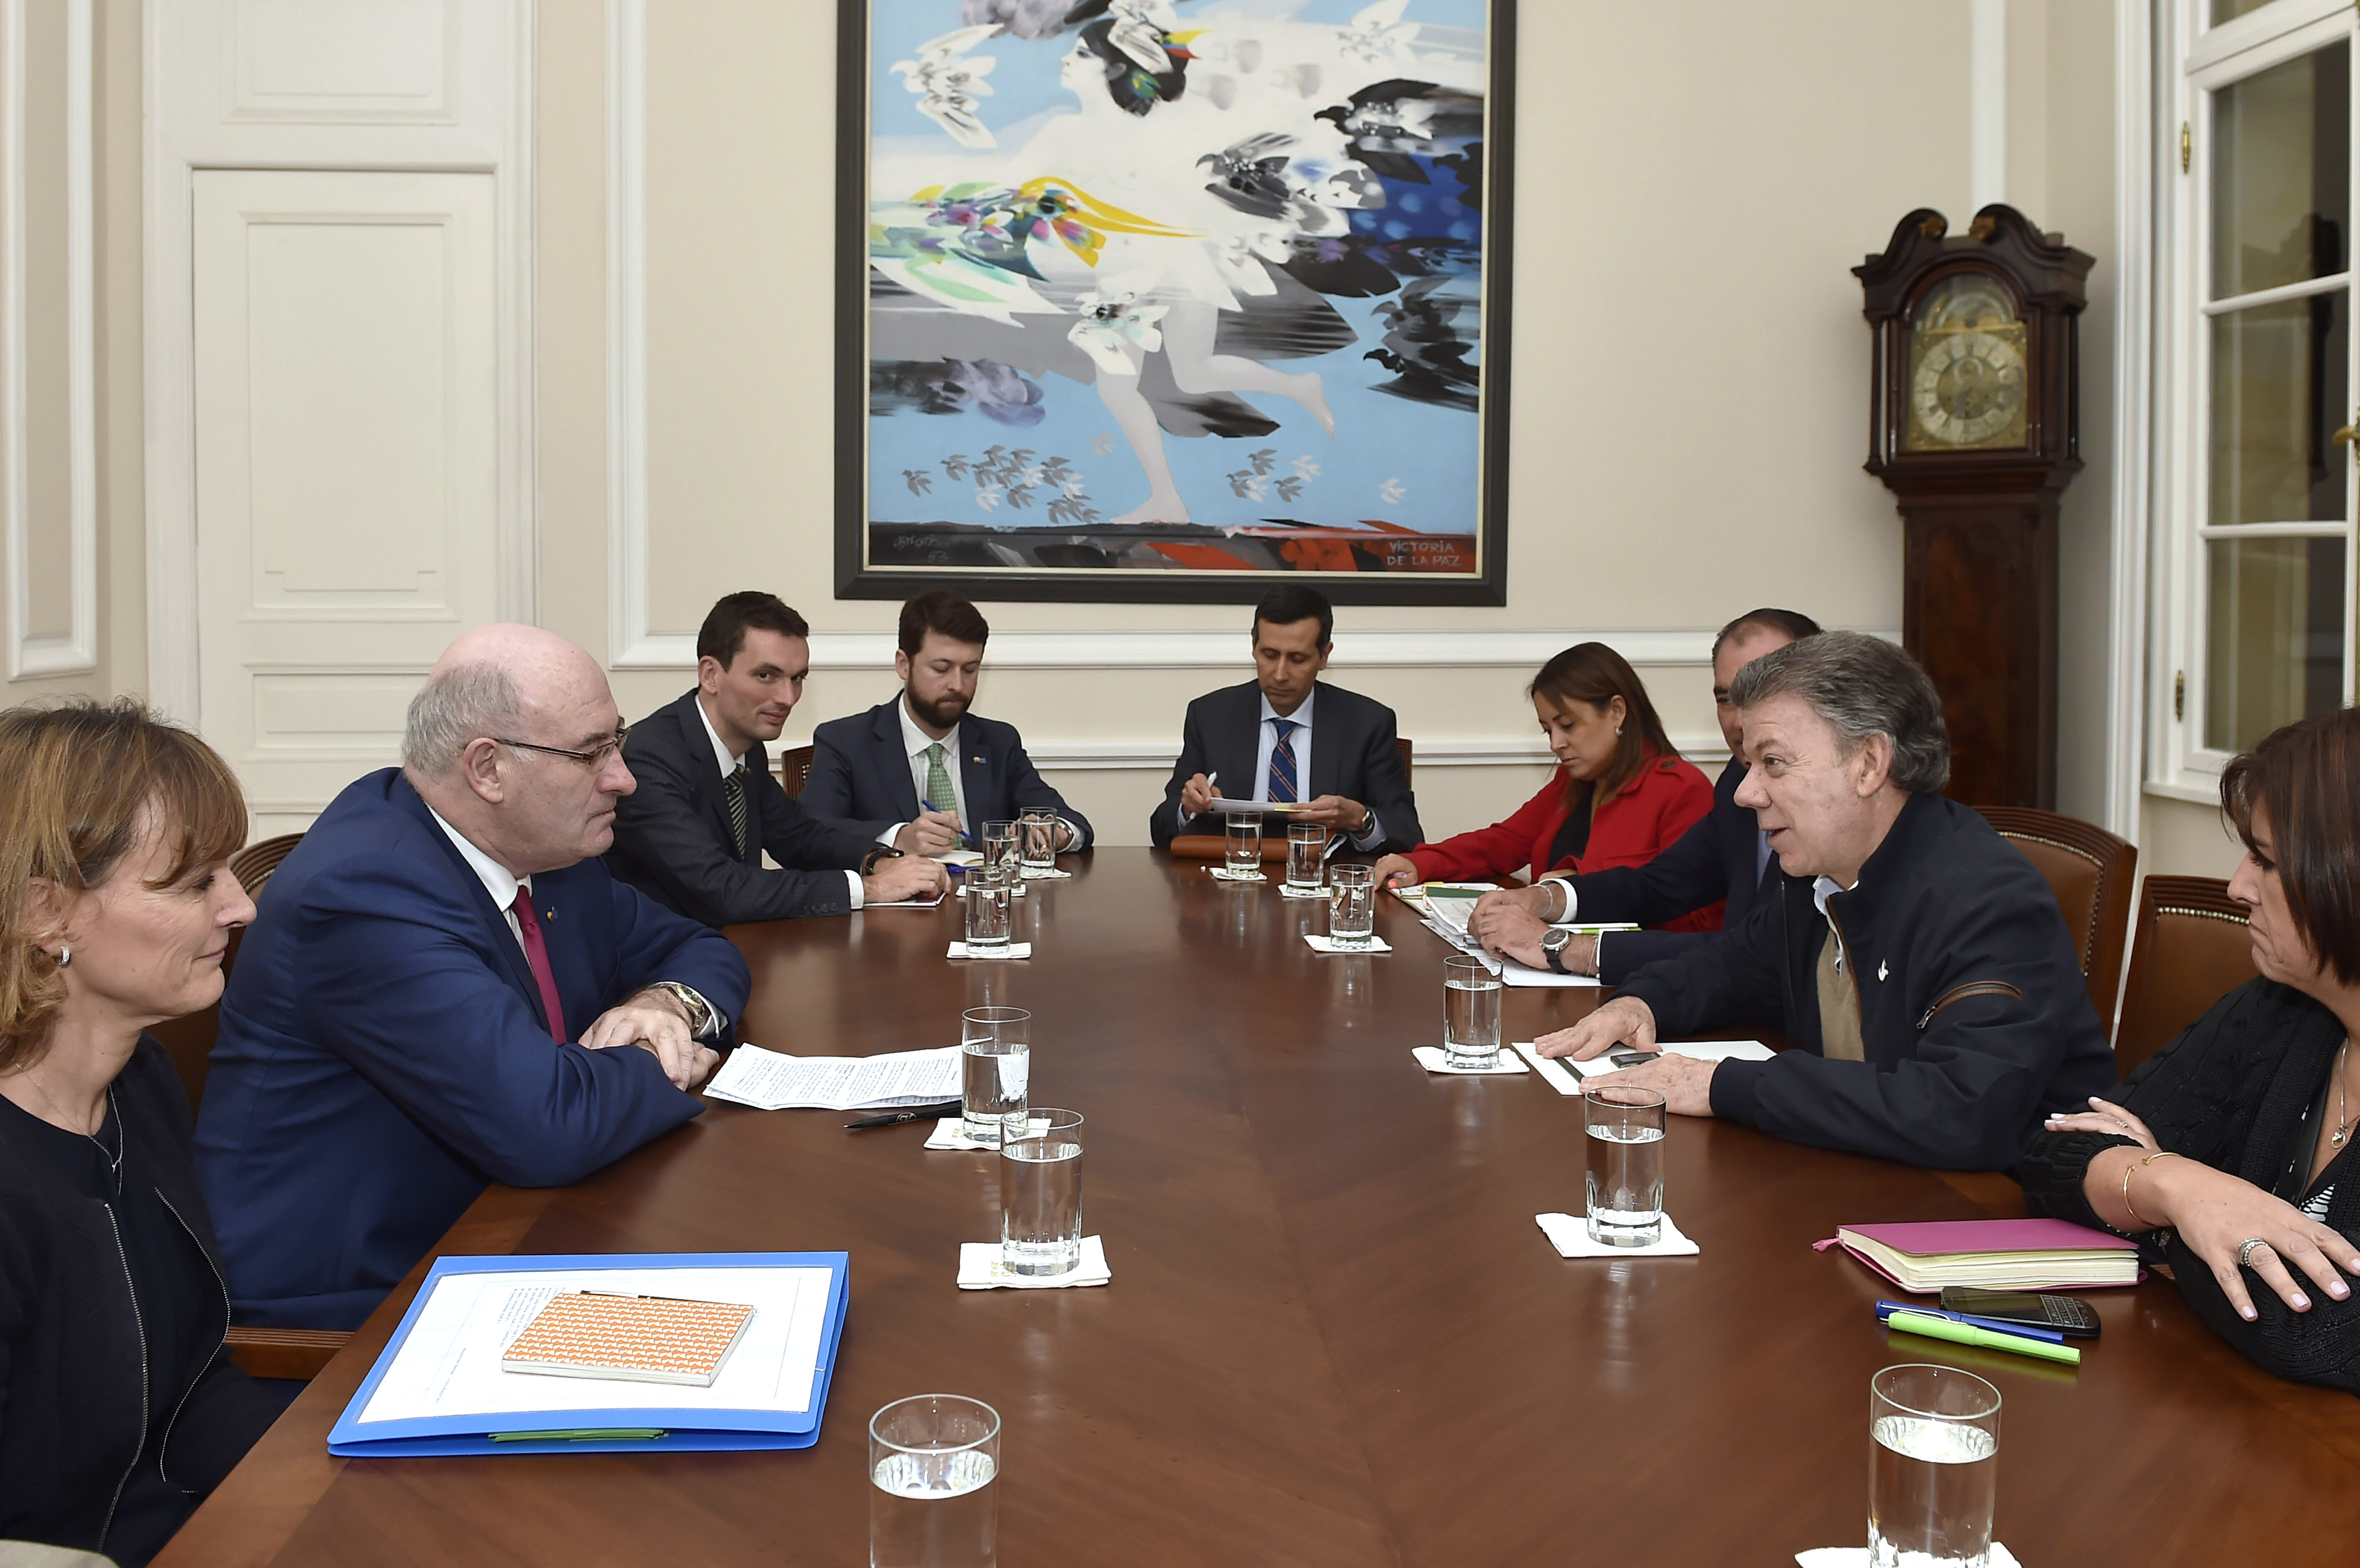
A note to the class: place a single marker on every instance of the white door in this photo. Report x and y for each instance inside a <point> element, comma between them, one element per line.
<point>347,490</point>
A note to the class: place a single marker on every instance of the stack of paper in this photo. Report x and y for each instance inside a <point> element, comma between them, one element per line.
<point>774,1081</point>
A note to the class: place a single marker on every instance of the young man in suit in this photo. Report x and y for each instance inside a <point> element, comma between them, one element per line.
<point>693,834</point>
<point>922,773</point>
<point>442,988</point>
<point>1285,735</point>
<point>1724,857</point>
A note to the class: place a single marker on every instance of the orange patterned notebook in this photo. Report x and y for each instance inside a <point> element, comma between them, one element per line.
<point>647,1339</point>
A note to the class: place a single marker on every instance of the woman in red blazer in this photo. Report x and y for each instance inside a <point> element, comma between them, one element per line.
<point>1620,797</point>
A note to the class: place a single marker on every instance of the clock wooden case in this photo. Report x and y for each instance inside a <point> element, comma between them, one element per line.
<point>1973,425</point>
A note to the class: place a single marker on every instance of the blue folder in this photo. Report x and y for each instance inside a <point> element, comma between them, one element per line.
<point>681,1429</point>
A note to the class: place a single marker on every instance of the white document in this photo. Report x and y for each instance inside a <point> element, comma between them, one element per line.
<point>934,903</point>
<point>1229,808</point>
<point>450,1363</point>
<point>1523,974</point>
<point>774,1081</point>
<point>1564,1076</point>
<point>959,858</point>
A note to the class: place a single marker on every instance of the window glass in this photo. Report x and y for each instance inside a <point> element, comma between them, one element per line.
<point>2279,395</point>
<point>2282,174</point>
<point>2274,641</point>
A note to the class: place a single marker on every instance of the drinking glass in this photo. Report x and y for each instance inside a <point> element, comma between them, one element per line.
<point>1933,1468</point>
<point>1470,1013</point>
<point>1245,847</point>
<point>987,918</point>
<point>1352,905</point>
<point>996,1044</point>
<point>1626,1164</point>
<point>1306,854</point>
<point>1000,854</point>
<point>1039,834</point>
<point>1040,1194</point>
<point>933,1461</point>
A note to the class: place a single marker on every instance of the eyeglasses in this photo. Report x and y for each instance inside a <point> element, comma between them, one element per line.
<point>590,758</point>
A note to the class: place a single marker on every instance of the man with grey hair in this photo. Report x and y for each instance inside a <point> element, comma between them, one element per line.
<point>442,988</point>
<point>1916,961</point>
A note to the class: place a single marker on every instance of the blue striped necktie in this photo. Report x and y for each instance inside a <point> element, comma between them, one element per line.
<point>1281,761</point>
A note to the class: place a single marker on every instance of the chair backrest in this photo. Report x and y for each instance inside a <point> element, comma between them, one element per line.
<point>253,865</point>
<point>2189,948</point>
<point>1215,847</point>
<point>2090,870</point>
<point>189,1040</point>
<point>794,769</point>
<point>1408,754</point>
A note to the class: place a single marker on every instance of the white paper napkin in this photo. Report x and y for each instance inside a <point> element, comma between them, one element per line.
<point>1223,874</point>
<point>1051,875</point>
<point>1857,1557</point>
<point>1570,1234</point>
<point>1434,1059</point>
<point>1290,890</point>
<point>950,1132</point>
<point>1015,950</point>
<point>1328,945</point>
<point>981,1269</point>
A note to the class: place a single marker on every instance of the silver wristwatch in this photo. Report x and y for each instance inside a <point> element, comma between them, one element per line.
<point>1554,941</point>
<point>699,1010</point>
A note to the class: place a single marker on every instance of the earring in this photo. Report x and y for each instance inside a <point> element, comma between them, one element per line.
<point>65,956</point>
<point>1618,732</point>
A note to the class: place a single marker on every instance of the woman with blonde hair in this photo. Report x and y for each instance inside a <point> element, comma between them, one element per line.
<point>1621,795</point>
<point>116,906</point>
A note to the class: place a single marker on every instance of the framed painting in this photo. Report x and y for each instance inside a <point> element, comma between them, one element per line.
<point>1155,299</point>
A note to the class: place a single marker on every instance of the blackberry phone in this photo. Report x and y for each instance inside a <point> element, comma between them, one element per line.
<point>2070,1316</point>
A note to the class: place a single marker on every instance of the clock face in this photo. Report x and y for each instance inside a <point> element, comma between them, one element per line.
<point>1967,382</point>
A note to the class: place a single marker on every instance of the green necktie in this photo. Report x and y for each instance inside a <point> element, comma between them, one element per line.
<point>938,781</point>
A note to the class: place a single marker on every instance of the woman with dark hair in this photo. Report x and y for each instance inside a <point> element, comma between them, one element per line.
<point>2227,1153</point>
<point>1621,795</point>
<point>116,904</point>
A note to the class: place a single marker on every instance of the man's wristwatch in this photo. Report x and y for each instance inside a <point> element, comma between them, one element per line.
<point>699,1010</point>
<point>1553,943</point>
<point>870,861</point>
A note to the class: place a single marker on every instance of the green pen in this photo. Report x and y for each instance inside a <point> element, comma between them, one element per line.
<point>584,1435</point>
<point>1987,1339</point>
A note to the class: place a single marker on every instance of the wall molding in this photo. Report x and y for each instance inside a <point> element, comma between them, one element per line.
<point>2132,530</point>
<point>629,645</point>
<point>75,651</point>
<point>1707,752</point>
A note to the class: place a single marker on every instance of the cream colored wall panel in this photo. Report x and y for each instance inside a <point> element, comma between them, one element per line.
<point>363,60</point>
<point>2179,838</point>
<point>351,713</point>
<point>47,398</point>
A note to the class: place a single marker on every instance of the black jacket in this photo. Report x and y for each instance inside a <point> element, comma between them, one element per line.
<point>1974,1020</point>
<point>672,839</point>
<point>1714,860</point>
<point>860,775</point>
<point>1353,755</point>
<point>74,1405</point>
<point>2233,1091</point>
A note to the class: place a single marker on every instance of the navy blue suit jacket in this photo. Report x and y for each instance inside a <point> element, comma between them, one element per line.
<point>383,1054</point>
<point>1715,859</point>
<point>860,775</point>
<point>1353,754</point>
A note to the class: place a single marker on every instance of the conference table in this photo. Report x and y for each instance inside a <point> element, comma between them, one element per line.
<point>1334,1334</point>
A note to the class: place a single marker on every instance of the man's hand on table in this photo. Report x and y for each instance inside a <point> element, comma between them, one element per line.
<point>911,876</point>
<point>1685,1083</point>
<point>655,1021</point>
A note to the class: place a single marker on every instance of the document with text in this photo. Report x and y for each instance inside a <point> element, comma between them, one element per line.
<point>774,1081</point>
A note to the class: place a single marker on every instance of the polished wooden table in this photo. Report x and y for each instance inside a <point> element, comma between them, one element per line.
<point>1335,1334</point>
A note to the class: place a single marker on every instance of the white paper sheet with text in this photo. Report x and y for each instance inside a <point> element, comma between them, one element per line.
<point>774,1081</point>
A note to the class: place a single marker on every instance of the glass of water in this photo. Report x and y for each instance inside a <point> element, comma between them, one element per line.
<point>1933,1468</point>
<point>931,1504</point>
<point>1000,854</point>
<point>996,1046</point>
<point>1352,905</point>
<point>1306,854</point>
<point>1040,1194</point>
<point>987,918</point>
<point>1626,1164</point>
<point>1244,861</point>
<point>1470,1013</point>
<point>1038,831</point>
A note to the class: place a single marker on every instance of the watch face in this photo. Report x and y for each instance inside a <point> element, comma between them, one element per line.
<point>1967,384</point>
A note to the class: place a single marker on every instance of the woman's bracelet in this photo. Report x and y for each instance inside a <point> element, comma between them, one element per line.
<point>2128,1171</point>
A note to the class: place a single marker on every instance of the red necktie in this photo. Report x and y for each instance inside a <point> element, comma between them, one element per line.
<point>536,954</point>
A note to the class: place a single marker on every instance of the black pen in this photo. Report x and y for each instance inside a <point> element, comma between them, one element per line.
<point>933,1112</point>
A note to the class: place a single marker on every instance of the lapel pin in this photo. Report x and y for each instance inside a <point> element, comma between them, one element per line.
<point>1880,970</point>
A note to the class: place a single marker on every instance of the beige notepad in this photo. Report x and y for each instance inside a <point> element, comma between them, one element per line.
<point>644,1339</point>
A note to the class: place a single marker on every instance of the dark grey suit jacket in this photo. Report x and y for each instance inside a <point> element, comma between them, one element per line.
<point>1353,755</point>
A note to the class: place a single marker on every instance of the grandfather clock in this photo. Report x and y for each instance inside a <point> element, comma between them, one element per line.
<point>1974,426</point>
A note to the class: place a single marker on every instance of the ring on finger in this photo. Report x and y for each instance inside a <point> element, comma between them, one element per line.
<point>2245,1250</point>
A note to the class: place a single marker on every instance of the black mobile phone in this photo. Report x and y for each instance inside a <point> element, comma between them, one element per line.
<point>1634,1057</point>
<point>2071,1316</point>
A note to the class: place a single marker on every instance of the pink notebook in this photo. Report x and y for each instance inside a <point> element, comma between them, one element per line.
<point>1995,1254</point>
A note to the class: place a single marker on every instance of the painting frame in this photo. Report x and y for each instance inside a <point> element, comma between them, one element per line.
<point>859,575</point>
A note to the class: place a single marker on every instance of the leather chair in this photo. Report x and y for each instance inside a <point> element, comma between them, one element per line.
<point>2189,948</point>
<point>189,1040</point>
<point>795,769</point>
<point>1408,754</point>
<point>2090,870</point>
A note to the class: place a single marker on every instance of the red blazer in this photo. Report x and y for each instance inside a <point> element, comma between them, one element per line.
<point>1666,799</point>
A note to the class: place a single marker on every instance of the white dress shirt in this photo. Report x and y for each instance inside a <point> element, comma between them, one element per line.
<point>914,741</point>
<point>1822,890</point>
<point>1299,740</point>
<point>728,761</point>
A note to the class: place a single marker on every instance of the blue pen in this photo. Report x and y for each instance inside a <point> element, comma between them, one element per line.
<point>1998,1326</point>
<point>965,838</point>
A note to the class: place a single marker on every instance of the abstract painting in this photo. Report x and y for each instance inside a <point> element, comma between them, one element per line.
<point>1157,300</point>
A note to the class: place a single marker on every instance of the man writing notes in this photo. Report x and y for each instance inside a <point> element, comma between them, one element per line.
<point>693,834</point>
<point>1916,960</point>
<point>1723,857</point>
<point>921,773</point>
<point>1286,736</point>
<point>443,987</point>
